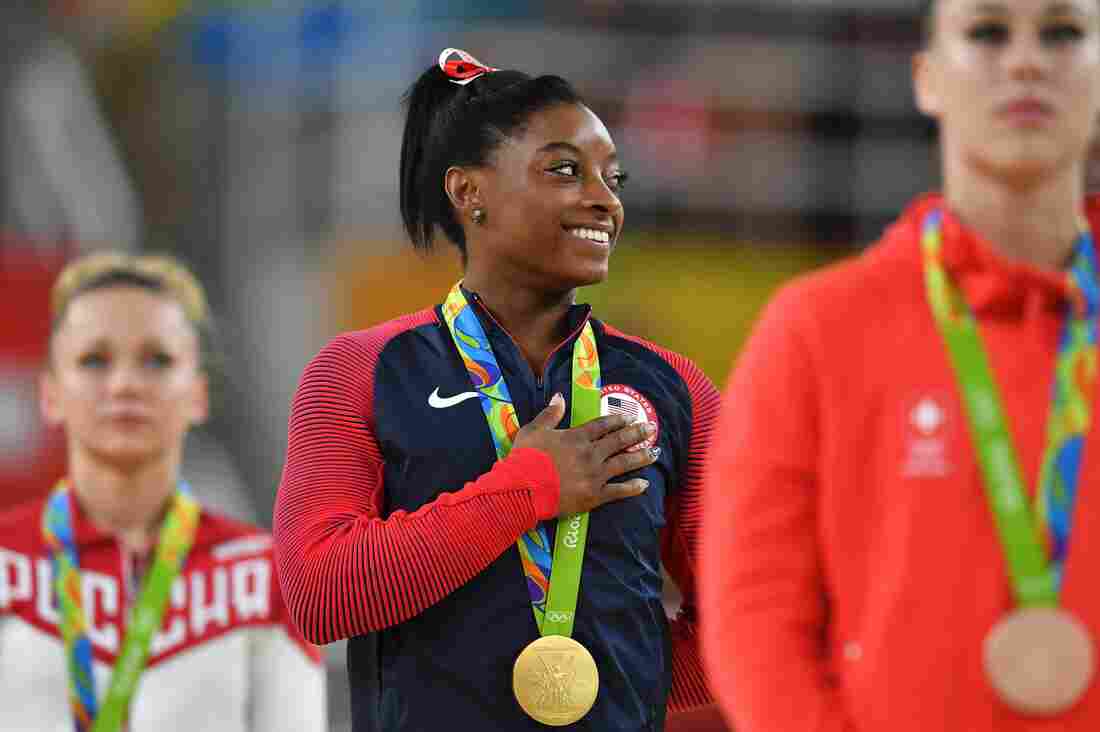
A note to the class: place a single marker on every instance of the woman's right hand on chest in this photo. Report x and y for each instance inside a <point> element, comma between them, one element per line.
<point>589,456</point>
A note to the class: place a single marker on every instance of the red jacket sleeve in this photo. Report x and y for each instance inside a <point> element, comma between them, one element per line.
<point>346,571</point>
<point>679,540</point>
<point>762,588</point>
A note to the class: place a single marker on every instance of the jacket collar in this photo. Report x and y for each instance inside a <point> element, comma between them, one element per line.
<point>578,315</point>
<point>991,281</point>
<point>85,533</point>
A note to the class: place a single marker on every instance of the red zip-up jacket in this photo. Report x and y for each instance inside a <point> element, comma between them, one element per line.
<point>850,566</point>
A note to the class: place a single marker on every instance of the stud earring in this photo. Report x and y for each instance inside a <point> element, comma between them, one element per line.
<point>478,215</point>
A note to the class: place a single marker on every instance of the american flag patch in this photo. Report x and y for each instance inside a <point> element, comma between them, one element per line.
<point>615,405</point>
<point>632,404</point>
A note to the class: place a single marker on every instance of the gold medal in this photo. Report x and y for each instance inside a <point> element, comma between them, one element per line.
<point>555,680</point>
<point>1039,660</point>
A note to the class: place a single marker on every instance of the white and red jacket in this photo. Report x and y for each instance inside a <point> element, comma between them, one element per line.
<point>226,658</point>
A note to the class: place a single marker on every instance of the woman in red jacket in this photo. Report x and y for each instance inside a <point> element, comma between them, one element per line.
<point>898,530</point>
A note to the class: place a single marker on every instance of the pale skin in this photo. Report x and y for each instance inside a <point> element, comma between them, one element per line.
<point>560,174</point>
<point>1015,87</point>
<point>125,383</point>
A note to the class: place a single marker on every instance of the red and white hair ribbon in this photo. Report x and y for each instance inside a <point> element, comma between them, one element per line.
<point>464,69</point>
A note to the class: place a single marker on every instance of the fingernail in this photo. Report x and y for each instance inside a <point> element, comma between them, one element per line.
<point>557,398</point>
<point>655,452</point>
<point>645,484</point>
<point>650,428</point>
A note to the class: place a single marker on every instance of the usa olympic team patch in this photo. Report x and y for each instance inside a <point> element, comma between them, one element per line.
<point>626,400</point>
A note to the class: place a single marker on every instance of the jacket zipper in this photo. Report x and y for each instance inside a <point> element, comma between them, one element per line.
<point>540,378</point>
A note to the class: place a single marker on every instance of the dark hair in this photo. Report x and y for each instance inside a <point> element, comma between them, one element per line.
<point>451,124</point>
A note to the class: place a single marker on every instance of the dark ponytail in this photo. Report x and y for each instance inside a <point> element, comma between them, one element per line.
<point>451,124</point>
<point>419,206</point>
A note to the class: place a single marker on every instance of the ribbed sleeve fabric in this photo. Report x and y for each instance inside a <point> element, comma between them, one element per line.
<point>679,549</point>
<point>346,571</point>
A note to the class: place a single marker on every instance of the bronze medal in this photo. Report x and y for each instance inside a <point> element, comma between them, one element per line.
<point>555,680</point>
<point>1039,660</point>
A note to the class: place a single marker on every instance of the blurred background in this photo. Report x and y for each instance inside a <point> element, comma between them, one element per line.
<point>259,142</point>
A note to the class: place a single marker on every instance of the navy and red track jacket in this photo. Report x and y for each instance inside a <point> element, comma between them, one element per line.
<point>396,527</point>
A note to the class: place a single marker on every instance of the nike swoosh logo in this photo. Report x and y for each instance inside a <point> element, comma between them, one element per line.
<point>434,400</point>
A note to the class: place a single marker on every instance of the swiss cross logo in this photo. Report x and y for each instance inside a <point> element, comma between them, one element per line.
<point>628,401</point>
<point>927,416</point>
<point>926,445</point>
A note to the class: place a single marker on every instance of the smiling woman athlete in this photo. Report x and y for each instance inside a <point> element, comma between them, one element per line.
<point>508,574</point>
<point>891,536</point>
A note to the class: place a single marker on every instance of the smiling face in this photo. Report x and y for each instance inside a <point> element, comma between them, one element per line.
<point>125,380</point>
<point>1014,84</point>
<point>550,196</point>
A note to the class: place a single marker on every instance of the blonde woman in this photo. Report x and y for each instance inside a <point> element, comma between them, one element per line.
<point>123,603</point>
